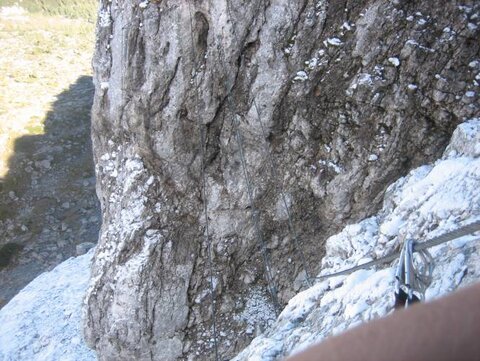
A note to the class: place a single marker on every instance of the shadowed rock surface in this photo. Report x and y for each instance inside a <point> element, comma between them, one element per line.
<point>345,96</point>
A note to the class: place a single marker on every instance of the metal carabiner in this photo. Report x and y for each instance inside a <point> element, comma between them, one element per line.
<point>405,277</point>
<point>400,294</point>
<point>400,272</point>
<point>424,273</point>
<point>410,277</point>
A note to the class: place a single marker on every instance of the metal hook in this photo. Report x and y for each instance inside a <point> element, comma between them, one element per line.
<point>406,279</point>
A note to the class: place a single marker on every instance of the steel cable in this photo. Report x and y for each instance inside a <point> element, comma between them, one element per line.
<point>275,176</point>
<point>201,129</point>
<point>417,247</point>
<point>254,213</point>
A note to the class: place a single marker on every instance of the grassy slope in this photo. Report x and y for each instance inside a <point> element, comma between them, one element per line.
<point>74,9</point>
<point>40,56</point>
<point>42,53</point>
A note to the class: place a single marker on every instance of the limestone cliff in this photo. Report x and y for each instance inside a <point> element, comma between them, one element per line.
<point>341,97</point>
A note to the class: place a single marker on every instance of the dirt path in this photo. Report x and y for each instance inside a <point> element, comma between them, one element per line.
<point>47,185</point>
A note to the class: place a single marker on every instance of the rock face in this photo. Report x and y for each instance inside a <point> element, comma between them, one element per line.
<point>322,103</point>
<point>430,201</point>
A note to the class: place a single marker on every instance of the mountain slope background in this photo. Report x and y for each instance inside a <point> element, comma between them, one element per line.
<point>85,10</point>
<point>48,204</point>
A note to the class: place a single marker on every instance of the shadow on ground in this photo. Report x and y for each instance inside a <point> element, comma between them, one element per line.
<point>48,204</point>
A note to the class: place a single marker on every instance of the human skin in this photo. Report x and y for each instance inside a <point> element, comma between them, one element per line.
<point>445,329</point>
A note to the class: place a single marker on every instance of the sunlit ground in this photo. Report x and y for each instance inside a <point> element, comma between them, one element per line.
<point>40,56</point>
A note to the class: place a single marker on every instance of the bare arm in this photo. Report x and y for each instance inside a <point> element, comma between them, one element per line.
<point>445,329</point>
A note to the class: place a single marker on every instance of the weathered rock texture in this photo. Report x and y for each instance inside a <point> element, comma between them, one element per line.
<point>351,95</point>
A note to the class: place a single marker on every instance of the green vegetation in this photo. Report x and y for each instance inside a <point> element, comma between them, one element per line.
<point>36,126</point>
<point>8,252</point>
<point>46,34</point>
<point>74,9</point>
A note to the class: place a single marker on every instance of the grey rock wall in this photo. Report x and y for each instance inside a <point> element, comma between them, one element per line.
<point>344,97</point>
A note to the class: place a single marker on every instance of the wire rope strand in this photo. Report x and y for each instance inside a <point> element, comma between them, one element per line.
<point>201,129</point>
<point>275,176</point>
<point>254,214</point>
<point>449,236</point>
<point>418,246</point>
<point>291,226</point>
<point>255,218</point>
